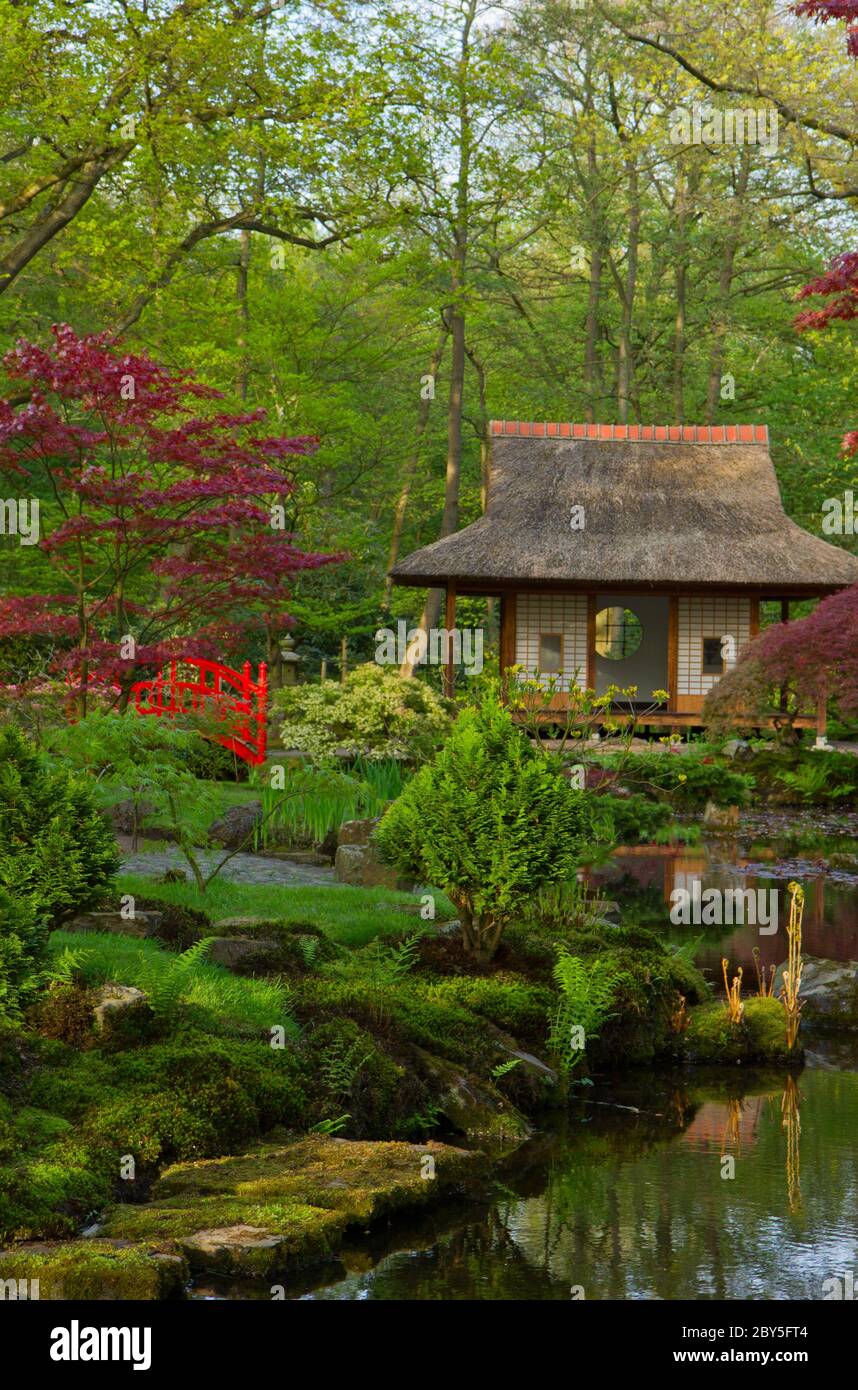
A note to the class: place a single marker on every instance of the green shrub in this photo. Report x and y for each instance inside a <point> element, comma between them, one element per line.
<point>374,714</point>
<point>55,848</point>
<point>635,819</point>
<point>489,821</point>
<point>686,781</point>
<point>23,951</point>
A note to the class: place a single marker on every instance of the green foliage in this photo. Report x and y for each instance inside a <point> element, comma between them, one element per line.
<point>587,990</point>
<point>489,821</point>
<point>375,714</point>
<point>818,781</point>
<point>633,820</point>
<point>561,909</point>
<point>685,780</point>
<point>55,849</point>
<point>23,950</point>
<point>315,801</point>
<point>183,985</point>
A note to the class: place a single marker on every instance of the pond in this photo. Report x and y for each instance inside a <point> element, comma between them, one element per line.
<point>633,1194</point>
<point>629,1197</point>
<point>766,852</point>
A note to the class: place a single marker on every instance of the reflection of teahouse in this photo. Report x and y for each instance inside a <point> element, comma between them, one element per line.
<point>630,555</point>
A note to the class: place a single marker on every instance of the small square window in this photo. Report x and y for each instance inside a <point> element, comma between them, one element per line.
<point>713,659</point>
<point>550,653</point>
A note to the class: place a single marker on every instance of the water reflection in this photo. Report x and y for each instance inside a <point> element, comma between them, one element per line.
<point>630,1200</point>
<point>641,880</point>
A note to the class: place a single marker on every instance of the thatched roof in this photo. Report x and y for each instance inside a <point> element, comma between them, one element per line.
<point>678,507</point>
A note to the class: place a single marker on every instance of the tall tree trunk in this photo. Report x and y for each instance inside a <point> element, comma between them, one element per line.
<point>725,283</point>
<point>680,291</point>
<point>456,320</point>
<point>243,372</point>
<point>482,429</point>
<point>625,357</point>
<point>411,468</point>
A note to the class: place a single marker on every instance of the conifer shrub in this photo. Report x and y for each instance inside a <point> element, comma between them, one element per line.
<point>55,849</point>
<point>489,821</point>
<point>23,948</point>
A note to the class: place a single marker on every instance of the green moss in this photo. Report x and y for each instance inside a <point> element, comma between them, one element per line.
<point>508,1000</point>
<point>280,1205</point>
<point>760,1036</point>
<point>97,1270</point>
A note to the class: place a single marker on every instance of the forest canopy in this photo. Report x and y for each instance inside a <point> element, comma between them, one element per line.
<point>385,224</point>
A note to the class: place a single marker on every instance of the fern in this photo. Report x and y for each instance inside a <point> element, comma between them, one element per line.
<point>504,1068</point>
<point>587,992</point>
<point>167,983</point>
<point>63,968</point>
<point>330,1126</point>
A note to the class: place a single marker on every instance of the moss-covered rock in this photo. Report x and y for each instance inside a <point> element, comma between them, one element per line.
<point>97,1270</point>
<point>276,1207</point>
<point>289,948</point>
<point>760,1035</point>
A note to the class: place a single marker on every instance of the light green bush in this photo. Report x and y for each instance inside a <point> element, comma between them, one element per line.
<point>489,821</point>
<point>375,714</point>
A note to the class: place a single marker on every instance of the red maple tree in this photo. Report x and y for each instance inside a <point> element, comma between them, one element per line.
<point>166,512</point>
<point>790,668</point>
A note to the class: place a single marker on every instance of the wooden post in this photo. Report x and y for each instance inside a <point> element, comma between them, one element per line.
<point>753,617</point>
<point>449,624</point>
<point>782,695</point>
<point>344,659</point>
<point>673,652</point>
<point>507,635</point>
<point>323,671</point>
<point>591,641</point>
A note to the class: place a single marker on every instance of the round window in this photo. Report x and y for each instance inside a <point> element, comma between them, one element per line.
<point>618,633</point>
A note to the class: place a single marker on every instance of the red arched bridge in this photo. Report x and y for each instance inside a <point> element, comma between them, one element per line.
<point>194,685</point>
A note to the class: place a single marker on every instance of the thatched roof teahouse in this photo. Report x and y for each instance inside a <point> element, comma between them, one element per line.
<point>630,555</point>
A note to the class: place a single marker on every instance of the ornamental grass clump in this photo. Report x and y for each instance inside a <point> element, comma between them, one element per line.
<point>792,975</point>
<point>490,821</point>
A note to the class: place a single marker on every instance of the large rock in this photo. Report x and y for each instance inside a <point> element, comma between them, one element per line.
<point>94,1270</point>
<point>737,748</point>
<point>828,993</point>
<point>141,924</point>
<point>245,955</point>
<point>234,829</point>
<point>723,818</point>
<point>356,832</point>
<point>278,1207</point>
<point>361,867</point>
<point>121,1014</point>
<point>475,1108</point>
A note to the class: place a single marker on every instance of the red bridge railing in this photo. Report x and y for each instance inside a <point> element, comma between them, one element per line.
<point>194,684</point>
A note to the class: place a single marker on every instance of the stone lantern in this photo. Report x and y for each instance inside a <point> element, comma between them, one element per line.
<point>289,660</point>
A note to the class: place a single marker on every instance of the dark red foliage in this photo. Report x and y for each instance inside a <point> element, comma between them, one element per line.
<point>838,11</point>
<point>811,657</point>
<point>154,499</point>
